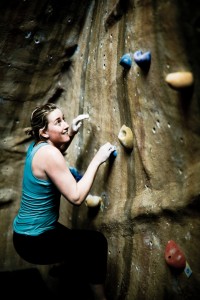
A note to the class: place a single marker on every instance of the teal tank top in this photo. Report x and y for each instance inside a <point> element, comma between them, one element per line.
<point>40,201</point>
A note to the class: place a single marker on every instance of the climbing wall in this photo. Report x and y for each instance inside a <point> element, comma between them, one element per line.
<point>133,66</point>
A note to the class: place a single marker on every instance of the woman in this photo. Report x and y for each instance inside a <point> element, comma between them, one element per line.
<point>38,237</point>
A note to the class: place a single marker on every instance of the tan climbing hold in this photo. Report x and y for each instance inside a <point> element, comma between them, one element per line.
<point>125,136</point>
<point>180,80</point>
<point>92,201</point>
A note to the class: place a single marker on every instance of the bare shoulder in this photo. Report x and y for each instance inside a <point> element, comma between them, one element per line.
<point>46,160</point>
<point>50,150</point>
<point>51,153</point>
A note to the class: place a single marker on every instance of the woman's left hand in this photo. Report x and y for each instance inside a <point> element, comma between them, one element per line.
<point>76,123</point>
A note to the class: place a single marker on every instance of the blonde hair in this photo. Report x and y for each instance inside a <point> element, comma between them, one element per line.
<point>39,120</point>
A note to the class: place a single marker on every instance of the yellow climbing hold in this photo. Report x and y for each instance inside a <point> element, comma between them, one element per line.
<point>92,201</point>
<point>125,136</point>
<point>180,80</point>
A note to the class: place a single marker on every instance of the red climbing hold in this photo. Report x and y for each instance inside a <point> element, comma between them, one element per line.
<point>174,256</point>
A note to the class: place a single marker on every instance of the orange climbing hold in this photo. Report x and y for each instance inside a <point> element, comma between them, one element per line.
<point>180,80</point>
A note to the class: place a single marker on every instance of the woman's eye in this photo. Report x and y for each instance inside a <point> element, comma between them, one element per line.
<point>58,122</point>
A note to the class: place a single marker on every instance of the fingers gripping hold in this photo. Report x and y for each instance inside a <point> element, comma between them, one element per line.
<point>77,122</point>
<point>111,147</point>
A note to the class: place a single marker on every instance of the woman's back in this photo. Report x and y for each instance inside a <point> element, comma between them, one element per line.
<point>39,209</point>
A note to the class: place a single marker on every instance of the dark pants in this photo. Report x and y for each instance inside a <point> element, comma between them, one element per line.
<point>84,250</point>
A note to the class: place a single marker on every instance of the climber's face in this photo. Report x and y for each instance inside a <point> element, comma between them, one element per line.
<point>57,129</point>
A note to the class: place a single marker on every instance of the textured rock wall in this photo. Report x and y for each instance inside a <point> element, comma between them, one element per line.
<point>68,52</point>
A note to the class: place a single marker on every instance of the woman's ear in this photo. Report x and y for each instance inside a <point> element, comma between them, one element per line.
<point>44,133</point>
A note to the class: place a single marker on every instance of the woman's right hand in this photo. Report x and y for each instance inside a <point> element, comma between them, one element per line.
<point>104,152</point>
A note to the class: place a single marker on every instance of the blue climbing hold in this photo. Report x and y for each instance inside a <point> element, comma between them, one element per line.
<point>75,173</point>
<point>143,60</point>
<point>126,61</point>
<point>114,153</point>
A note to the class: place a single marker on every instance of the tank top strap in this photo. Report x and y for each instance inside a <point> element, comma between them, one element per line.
<point>34,148</point>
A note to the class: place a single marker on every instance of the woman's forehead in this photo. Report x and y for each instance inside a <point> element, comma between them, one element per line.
<point>53,115</point>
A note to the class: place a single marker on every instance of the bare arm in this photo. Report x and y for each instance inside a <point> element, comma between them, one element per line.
<point>57,171</point>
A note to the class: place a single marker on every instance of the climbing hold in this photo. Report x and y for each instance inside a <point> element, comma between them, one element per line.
<point>94,201</point>
<point>180,80</point>
<point>114,153</point>
<point>174,256</point>
<point>125,136</point>
<point>126,61</point>
<point>143,60</point>
<point>75,173</point>
<point>187,270</point>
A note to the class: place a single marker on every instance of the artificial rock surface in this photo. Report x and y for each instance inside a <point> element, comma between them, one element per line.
<point>68,52</point>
